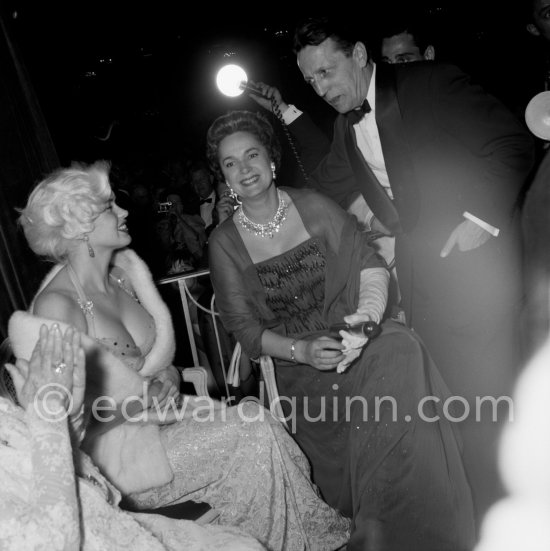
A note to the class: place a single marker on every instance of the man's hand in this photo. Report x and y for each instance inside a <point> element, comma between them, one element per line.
<point>466,236</point>
<point>268,92</point>
<point>225,207</point>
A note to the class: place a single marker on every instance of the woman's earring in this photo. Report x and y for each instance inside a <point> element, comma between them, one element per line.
<point>273,170</point>
<point>90,249</point>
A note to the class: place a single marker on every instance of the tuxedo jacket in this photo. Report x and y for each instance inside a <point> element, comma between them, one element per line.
<point>448,146</point>
<point>192,205</point>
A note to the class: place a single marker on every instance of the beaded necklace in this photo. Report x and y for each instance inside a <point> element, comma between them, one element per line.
<point>271,227</point>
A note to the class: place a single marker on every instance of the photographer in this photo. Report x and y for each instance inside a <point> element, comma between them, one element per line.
<point>183,236</point>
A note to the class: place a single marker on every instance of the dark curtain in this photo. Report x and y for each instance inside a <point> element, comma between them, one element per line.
<point>27,153</point>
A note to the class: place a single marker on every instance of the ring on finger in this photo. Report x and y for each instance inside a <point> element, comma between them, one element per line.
<point>59,367</point>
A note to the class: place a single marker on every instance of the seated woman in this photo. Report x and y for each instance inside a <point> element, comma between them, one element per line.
<point>50,499</point>
<point>286,266</point>
<point>239,460</point>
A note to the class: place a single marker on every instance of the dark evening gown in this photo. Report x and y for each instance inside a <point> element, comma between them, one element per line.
<point>399,474</point>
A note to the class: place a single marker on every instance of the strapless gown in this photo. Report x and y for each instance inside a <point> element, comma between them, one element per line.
<point>374,458</point>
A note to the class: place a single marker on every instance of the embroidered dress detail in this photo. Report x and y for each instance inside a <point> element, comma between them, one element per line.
<point>271,227</point>
<point>121,282</point>
<point>294,284</point>
<point>87,306</point>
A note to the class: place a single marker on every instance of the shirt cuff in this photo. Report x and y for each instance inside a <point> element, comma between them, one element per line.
<point>487,227</point>
<point>291,114</point>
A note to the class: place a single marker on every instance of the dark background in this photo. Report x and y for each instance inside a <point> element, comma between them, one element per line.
<point>151,67</point>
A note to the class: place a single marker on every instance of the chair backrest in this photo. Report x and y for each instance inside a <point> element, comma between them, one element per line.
<point>267,369</point>
<point>268,373</point>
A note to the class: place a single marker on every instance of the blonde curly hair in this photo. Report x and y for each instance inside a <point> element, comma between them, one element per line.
<point>63,207</point>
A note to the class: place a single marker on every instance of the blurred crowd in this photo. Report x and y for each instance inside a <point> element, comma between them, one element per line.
<point>172,210</point>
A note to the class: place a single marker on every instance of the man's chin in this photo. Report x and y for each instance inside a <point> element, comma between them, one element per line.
<point>340,108</point>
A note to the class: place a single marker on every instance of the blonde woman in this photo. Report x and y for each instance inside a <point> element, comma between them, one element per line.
<point>239,460</point>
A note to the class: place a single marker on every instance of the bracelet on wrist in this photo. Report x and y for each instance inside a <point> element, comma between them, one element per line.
<point>293,350</point>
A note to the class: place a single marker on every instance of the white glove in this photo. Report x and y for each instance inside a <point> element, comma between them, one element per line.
<point>373,296</point>
<point>353,345</point>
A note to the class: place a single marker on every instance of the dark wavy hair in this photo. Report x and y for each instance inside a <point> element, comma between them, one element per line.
<point>241,121</point>
<point>315,30</point>
<point>417,25</point>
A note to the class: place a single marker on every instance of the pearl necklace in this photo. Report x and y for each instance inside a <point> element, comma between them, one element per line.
<point>271,227</point>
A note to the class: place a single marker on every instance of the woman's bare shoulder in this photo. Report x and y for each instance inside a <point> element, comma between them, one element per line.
<point>59,303</point>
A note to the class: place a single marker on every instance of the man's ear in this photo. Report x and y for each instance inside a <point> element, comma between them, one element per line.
<point>429,53</point>
<point>532,29</point>
<point>361,54</point>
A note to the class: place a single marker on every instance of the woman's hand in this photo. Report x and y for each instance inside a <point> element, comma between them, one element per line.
<point>353,345</point>
<point>323,353</point>
<point>55,373</point>
<point>165,387</point>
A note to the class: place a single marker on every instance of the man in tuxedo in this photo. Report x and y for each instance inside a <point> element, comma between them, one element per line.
<point>202,182</point>
<point>422,154</point>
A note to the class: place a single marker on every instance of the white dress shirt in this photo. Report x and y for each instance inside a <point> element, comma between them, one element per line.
<point>206,209</point>
<point>368,142</point>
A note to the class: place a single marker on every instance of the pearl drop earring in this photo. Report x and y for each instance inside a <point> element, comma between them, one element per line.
<point>91,251</point>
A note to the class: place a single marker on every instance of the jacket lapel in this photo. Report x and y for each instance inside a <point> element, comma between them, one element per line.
<point>397,155</point>
<point>373,192</point>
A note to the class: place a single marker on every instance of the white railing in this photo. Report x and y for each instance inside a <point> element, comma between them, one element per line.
<point>185,282</point>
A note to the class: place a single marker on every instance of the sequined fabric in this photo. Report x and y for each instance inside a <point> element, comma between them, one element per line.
<point>243,462</point>
<point>245,465</point>
<point>128,352</point>
<point>401,479</point>
<point>294,283</point>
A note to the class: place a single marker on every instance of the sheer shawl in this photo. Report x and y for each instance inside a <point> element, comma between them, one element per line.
<point>240,297</point>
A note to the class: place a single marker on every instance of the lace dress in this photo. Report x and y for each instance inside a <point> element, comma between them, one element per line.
<point>242,462</point>
<point>43,505</point>
<point>400,478</point>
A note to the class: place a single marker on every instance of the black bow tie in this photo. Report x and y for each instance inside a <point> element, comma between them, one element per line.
<point>356,115</point>
<point>207,200</point>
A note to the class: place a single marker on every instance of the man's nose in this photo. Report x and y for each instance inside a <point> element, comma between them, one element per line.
<point>319,89</point>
